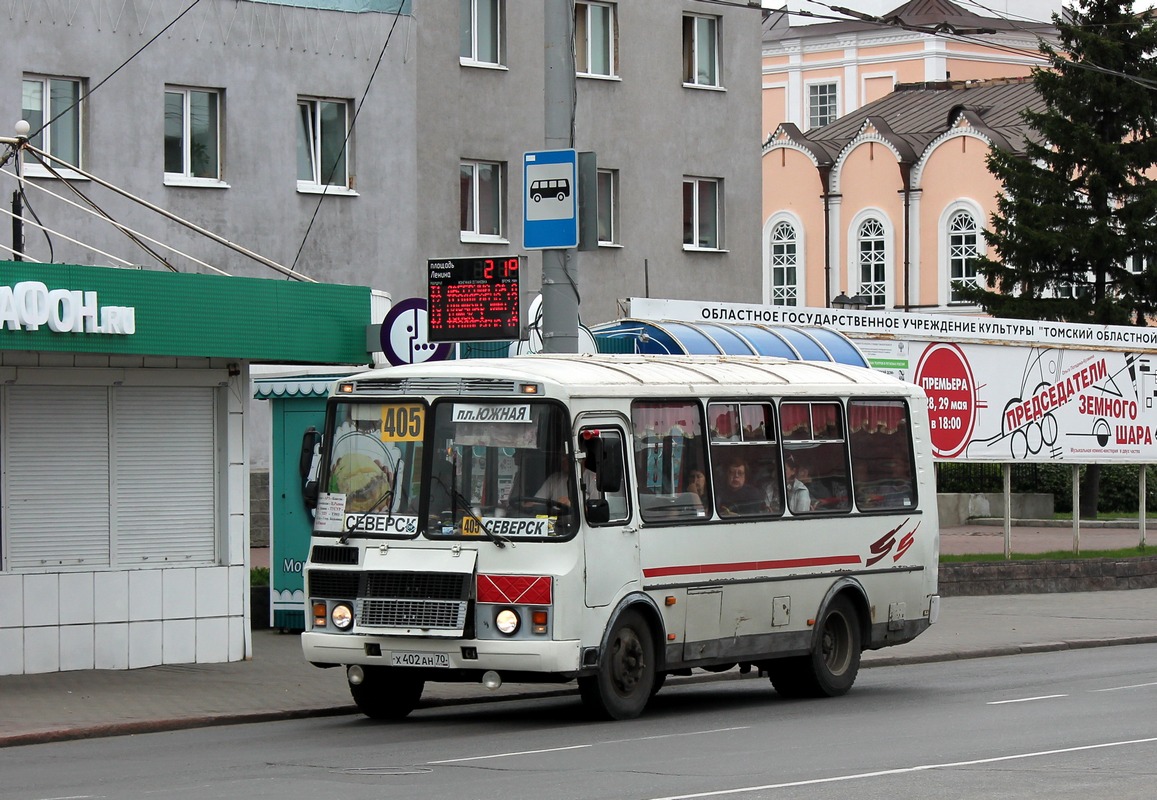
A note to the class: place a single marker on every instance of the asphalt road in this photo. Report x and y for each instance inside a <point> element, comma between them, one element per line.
<point>1067,724</point>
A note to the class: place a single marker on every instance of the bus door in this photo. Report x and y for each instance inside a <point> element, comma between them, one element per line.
<point>610,541</point>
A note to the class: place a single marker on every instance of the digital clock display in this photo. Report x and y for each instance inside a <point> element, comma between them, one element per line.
<point>473,299</point>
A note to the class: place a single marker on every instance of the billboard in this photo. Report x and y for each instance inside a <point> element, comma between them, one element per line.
<point>998,390</point>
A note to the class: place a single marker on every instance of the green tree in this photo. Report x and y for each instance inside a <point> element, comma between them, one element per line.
<point>1077,216</point>
<point>1074,236</point>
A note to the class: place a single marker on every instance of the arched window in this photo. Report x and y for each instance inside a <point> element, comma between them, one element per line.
<point>963,249</point>
<point>873,262</point>
<point>784,265</point>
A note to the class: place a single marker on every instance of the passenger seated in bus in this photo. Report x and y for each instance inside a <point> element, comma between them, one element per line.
<point>734,495</point>
<point>697,484</point>
<point>799,499</point>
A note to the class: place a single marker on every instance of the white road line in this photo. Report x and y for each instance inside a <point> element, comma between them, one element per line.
<point>1026,699</point>
<point>516,753</point>
<point>582,746</point>
<point>905,770</point>
<point>1119,688</point>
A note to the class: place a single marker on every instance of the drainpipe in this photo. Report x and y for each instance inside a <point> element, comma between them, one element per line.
<point>825,173</point>
<point>906,177</point>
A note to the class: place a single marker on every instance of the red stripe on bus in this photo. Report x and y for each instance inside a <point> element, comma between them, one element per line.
<point>752,566</point>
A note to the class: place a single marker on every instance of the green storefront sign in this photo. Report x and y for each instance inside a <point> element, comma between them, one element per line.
<point>82,309</point>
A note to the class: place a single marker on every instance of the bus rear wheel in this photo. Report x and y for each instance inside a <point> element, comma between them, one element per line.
<point>626,677</point>
<point>386,693</point>
<point>832,666</point>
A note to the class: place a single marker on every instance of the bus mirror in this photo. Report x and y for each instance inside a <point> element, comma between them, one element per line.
<point>609,469</point>
<point>308,464</point>
<point>598,511</point>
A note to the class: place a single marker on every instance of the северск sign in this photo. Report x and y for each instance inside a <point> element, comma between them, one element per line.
<point>999,390</point>
<point>84,309</point>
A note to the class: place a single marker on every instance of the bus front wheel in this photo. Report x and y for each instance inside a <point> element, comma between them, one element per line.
<point>387,694</point>
<point>626,676</point>
<point>831,668</point>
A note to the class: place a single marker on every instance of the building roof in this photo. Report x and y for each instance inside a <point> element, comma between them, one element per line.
<point>915,114</point>
<point>940,16</point>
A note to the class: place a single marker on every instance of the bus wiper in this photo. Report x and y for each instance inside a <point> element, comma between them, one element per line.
<point>388,495</point>
<point>459,500</point>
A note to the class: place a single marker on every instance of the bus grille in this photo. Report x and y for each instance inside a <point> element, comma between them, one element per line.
<point>333,584</point>
<point>328,554</point>
<point>417,585</point>
<point>430,614</point>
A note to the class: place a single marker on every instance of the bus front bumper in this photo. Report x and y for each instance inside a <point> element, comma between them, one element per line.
<point>434,656</point>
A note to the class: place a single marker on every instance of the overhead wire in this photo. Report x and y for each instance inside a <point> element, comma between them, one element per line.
<point>345,142</point>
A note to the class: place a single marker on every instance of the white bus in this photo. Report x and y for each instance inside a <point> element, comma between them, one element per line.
<point>614,520</point>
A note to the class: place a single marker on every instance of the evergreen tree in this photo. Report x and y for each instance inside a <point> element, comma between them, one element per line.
<point>1079,211</point>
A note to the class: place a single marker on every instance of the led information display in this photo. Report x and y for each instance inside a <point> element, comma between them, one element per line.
<point>473,299</point>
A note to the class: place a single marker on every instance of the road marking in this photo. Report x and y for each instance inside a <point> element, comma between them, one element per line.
<point>515,753</point>
<point>1119,688</point>
<point>1026,699</point>
<point>582,746</point>
<point>905,770</point>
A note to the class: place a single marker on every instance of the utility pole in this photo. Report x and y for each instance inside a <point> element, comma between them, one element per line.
<point>560,298</point>
<point>22,129</point>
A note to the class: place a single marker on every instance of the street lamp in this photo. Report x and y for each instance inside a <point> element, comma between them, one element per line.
<point>854,303</point>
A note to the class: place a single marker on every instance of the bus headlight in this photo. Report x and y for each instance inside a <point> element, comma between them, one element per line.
<point>342,616</point>
<point>507,621</point>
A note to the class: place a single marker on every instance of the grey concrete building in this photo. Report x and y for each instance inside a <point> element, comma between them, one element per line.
<point>233,115</point>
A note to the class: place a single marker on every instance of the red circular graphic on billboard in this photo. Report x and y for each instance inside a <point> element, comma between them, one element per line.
<point>945,376</point>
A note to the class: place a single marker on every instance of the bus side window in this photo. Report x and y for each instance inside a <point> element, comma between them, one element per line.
<point>815,445</point>
<point>669,443</point>
<point>745,459</point>
<point>881,447</point>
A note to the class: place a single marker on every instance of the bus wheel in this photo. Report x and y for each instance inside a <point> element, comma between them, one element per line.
<point>831,668</point>
<point>626,676</point>
<point>387,694</point>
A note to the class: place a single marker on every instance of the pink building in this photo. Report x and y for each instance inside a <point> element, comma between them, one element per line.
<point>874,176</point>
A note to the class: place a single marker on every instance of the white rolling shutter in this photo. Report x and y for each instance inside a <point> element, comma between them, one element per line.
<point>56,476</point>
<point>164,460</point>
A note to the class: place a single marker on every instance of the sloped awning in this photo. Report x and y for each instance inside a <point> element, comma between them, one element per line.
<point>667,337</point>
<point>294,386</point>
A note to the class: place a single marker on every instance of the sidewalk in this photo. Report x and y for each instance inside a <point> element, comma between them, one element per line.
<point>278,684</point>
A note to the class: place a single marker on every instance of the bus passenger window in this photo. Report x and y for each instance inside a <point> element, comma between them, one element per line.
<point>669,446</point>
<point>745,459</point>
<point>815,456</point>
<point>881,445</point>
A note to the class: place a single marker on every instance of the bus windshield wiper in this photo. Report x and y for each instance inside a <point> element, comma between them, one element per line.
<point>387,496</point>
<point>459,500</point>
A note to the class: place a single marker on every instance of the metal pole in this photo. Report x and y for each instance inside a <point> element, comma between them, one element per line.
<point>559,285</point>
<point>17,205</point>
<point>1076,508</point>
<point>1142,512</point>
<point>1007,469</point>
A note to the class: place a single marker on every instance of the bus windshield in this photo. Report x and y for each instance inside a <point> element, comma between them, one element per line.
<point>375,460</point>
<point>501,469</point>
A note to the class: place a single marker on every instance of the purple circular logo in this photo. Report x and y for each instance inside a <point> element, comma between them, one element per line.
<point>404,335</point>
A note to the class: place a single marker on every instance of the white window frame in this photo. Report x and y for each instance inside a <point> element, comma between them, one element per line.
<point>608,212</point>
<point>696,213</point>
<point>944,247</point>
<point>784,293</point>
<point>692,47</point>
<point>854,270</point>
<point>952,231</point>
<point>31,166</point>
<point>814,119</point>
<point>473,232</point>
<point>874,260</point>
<point>584,39</point>
<point>343,183</point>
<point>186,177</point>
<point>470,28</point>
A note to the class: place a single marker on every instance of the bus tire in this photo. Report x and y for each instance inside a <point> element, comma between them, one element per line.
<point>831,668</point>
<point>626,676</point>
<point>387,694</point>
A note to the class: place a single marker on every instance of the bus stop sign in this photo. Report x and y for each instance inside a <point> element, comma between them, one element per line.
<point>550,200</point>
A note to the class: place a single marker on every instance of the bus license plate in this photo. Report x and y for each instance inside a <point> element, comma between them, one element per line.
<point>420,660</point>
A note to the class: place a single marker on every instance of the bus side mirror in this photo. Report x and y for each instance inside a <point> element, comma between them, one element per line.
<point>308,465</point>
<point>609,469</point>
<point>598,511</point>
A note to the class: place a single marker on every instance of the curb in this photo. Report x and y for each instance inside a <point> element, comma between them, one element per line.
<point>189,723</point>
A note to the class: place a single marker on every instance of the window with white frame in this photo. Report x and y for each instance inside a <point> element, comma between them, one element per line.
<point>595,39</point>
<point>480,31</point>
<point>192,133</point>
<point>784,265</point>
<point>822,104</point>
<point>700,50</point>
<point>873,261</point>
<point>51,107</point>
<point>963,249</point>
<point>322,149</point>
<point>608,196</point>
<point>481,199</point>
<point>701,219</point>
